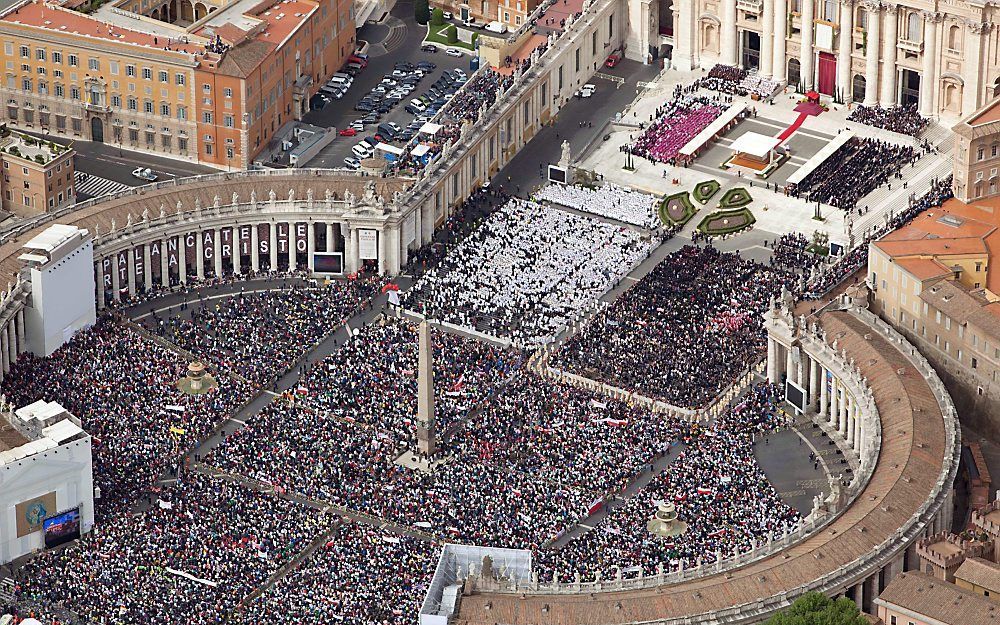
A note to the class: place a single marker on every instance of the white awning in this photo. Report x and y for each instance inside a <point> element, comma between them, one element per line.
<point>755,144</point>
<point>420,150</point>
<point>391,149</point>
<point>430,129</point>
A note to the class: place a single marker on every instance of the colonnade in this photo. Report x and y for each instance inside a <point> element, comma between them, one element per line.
<point>12,341</point>
<point>828,398</point>
<point>877,32</point>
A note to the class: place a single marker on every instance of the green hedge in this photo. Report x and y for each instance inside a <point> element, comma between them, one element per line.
<point>685,202</point>
<point>742,219</point>
<point>704,191</point>
<point>735,198</point>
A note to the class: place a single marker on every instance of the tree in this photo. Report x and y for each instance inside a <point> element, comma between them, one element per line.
<point>814,608</point>
<point>475,38</point>
<point>452,34</point>
<point>437,17</point>
<point>421,11</point>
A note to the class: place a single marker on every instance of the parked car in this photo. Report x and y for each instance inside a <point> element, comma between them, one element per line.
<point>317,102</point>
<point>453,52</point>
<point>614,59</point>
<point>144,173</point>
<point>427,47</point>
<point>348,132</point>
<point>362,150</point>
<point>358,125</point>
<point>496,27</point>
<point>586,91</point>
<point>352,163</point>
<point>448,15</point>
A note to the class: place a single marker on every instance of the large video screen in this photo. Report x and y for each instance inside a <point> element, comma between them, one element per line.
<point>795,395</point>
<point>328,262</point>
<point>62,528</point>
<point>557,174</point>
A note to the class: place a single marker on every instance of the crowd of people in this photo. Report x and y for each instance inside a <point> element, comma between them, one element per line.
<point>191,557</point>
<point>682,333</point>
<point>856,169</point>
<point>733,80</point>
<point>718,489</point>
<point>791,253</point>
<point>261,334</point>
<point>123,388</point>
<point>857,258</point>
<point>527,271</point>
<point>676,123</point>
<point>610,200</point>
<point>361,576</point>
<point>903,119</point>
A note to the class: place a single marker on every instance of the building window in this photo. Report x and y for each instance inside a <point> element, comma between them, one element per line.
<point>133,104</point>
<point>116,101</point>
<point>228,121</point>
<point>147,106</point>
<point>182,112</point>
<point>179,79</point>
<point>164,76</point>
<point>227,92</point>
<point>206,117</point>
<point>26,84</point>
<point>130,70</point>
<point>133,135</point>
<point>57,57</point>
<point>147,74</point>
<point>40,54</point>
<point>207,88</point>
<point>182,144</point>
<point>25,52</point>
<point>74,60</point>
<point>60,91</point>
<point>94,64</point>
<point>164,109</point>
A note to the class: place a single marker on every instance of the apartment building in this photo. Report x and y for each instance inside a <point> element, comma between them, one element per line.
<point>211,82</point>
<point>977,154</point>
<point>37,175</point>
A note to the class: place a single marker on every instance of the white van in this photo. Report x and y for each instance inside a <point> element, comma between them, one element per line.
<point>362,150</point>
<point>496,27</point>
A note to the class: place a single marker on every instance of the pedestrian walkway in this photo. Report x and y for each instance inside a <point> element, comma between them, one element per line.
<point>95,186</point>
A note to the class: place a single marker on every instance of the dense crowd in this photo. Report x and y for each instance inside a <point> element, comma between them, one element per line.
<point>261,334</point>
<point>481,90</point>
<point>683,332</point>
<point>360,576</point>
<point>190,558</point>
<point>718,489</point>
<point>857,258</point>
<point>527,271</point>
<point>610,200</point>
<point>677,122</point>
<point>902,119</point>
<point>791,253</point>
<point>122,387</point>
<point>734,80</point>
<point>856,169</point>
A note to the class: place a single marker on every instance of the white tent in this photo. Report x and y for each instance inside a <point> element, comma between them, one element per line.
<point>430,129</point>
<point>755,144</point>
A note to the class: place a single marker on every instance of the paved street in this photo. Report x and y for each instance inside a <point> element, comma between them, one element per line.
<point>388,46</point>
<point>110,163</point>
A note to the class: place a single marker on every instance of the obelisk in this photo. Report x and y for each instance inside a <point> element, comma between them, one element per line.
<point>425,392</point>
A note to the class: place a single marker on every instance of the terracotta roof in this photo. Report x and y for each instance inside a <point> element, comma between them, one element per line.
<point>886,503</point>
<point>242,60</point>
<point>102,213</point>
<point>963,305</point>
<point>980,572</point>
<point>941,601</point>
<point>924,268</point>
<point>987,114</point>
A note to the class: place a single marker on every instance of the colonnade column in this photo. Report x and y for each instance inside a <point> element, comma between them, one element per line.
<point>19,324</point>
<point>778,63</point>
<point>310,245</point>
<point>382,250</point>
<point>147,267</point>
<point>928,81</point>
<point>4,355</point>
<point>845,47</point>
<point>834,406</point>
<point>812,383</point>
<point>273,231</point>
<point>807,54</point>
<point>254,249</point>
<point>888,96</point>
<point>237,260</point>
<point>766,41</point>
<point>130,265</point>
<point>182,265</point>
<point>330,245</point>
<point>824,398</point>
<point>970,66</point>
<point>859,439</point>
<point>293,260</point>
<point>871,53</point>
<point>727,34</point>
<point>11,341</point>
<point>199,256</point>
<point>99,280</point>
<point>217,251</point>
<point>164,264</point>
<point>771,360</point>
<point>115,284</point>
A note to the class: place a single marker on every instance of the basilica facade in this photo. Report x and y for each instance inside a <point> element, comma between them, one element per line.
<point>941,57</point>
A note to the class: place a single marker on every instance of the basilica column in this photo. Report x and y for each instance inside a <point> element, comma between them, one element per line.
<point>685,32</point>
<point>845,47</point>
<point>767,41</point>
<point>807,54</point>
<point>779,65</point>
<point>929,79</point>
<point>888,95</point>
<point>330,245</point>
<point>217,251</point>
<point>871,54</point>
<point>972,66</point>
<point>130,264</point>
<point>310,245</point>
<point>727,44</point>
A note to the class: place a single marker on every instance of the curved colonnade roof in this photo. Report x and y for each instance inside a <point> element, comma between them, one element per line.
<point>149,198</point>
<point>913,451</point>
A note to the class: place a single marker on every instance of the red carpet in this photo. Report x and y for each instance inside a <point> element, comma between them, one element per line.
<point>788,132</point>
